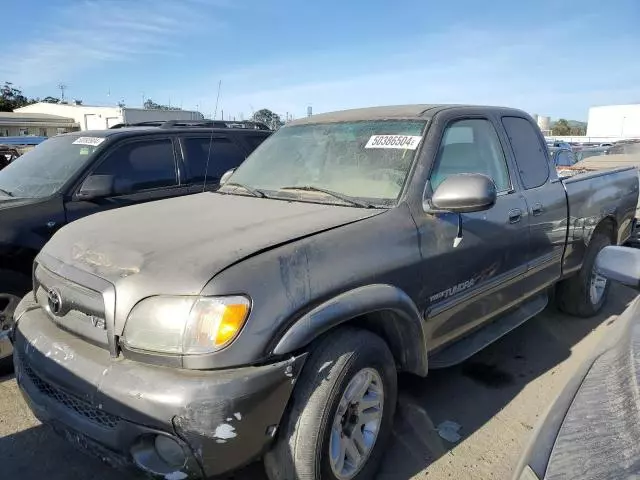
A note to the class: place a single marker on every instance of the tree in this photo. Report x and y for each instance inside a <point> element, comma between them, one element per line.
<point>267,117</point>
<point>151,105</point>
<point>561,128</point>
<point>12,98</point>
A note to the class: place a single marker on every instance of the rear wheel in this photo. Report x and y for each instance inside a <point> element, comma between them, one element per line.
<point>341,411</point>
<point>585,293</point>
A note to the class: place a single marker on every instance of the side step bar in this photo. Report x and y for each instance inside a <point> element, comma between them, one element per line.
<point>476,341</point>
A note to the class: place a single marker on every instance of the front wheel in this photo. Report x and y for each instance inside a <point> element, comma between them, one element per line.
<point>341,412</point>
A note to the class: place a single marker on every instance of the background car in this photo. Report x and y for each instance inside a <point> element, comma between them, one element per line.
<point>562,156</point>
<point>592,429</point>
<point>558,144</point>
<point>7,155</point>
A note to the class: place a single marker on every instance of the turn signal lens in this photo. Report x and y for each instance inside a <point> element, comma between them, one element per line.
<point>214,322</point>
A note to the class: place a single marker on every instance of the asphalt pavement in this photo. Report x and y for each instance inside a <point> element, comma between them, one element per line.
<point>471,421</point>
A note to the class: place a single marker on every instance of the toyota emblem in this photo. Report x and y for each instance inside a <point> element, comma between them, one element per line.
<point>54,299</point>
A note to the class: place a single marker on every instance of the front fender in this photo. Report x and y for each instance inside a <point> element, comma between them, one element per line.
<point>386,309</point>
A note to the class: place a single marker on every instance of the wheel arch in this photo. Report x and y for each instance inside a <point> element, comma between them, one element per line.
<point>383,309</point>
<point>608,226</point>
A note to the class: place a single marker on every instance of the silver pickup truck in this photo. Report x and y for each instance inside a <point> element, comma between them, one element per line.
<point>190,336</point>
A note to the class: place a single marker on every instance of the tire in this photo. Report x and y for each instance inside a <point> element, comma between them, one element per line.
<point>301,451</point>
<point>573,295</point>
<point>13,286</point>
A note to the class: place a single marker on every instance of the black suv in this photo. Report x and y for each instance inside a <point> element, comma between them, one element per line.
<point>74,175</point>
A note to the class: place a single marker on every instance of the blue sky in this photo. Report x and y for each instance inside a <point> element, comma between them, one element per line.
<point>549,57</point>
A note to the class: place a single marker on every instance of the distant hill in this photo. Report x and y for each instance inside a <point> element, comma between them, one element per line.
<point>577,124</point>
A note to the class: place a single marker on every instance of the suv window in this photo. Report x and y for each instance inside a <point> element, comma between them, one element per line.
<point>140,166</point>
<point>224,156</point>
<point>529,151</point>
<point>471,146</point>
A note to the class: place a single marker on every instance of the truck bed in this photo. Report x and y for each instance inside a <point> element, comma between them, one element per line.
<point>592,196</point>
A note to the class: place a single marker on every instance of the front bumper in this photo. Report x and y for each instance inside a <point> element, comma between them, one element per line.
<point>114,408</point>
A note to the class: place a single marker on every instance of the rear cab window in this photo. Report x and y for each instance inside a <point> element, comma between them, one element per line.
<point>529,151</point>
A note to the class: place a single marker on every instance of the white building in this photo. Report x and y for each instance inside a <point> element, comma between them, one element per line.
<point>97,118</point>
<point>614,121</point>
<point>38,124</point>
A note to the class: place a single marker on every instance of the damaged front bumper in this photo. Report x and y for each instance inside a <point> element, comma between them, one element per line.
<point>117,409</point>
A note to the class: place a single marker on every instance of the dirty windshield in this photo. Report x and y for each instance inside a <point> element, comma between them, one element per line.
<point>42,171</point>
<point>366,160</point>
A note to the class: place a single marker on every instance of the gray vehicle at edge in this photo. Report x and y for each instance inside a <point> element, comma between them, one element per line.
<point>191,336</point>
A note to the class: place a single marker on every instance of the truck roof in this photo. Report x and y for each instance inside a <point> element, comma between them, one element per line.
<point>409,112</point>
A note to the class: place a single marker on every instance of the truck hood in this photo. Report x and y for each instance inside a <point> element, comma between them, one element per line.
<point>176,246</point>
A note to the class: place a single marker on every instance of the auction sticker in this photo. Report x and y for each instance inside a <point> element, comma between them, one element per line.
<point>405,142</point>
<point>93,141</point>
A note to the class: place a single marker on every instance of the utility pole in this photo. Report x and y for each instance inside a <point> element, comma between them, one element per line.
<point>62,88</point>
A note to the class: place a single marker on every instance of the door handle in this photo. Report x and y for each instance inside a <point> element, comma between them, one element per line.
<point>515,215</point>
<point>536,209</point>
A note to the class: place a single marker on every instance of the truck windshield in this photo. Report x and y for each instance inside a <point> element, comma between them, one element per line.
<point>42,171</point>
<point>366,160</point>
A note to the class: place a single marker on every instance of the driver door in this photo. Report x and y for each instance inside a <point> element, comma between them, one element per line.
<point>469,282</point>
<point>143,171</point>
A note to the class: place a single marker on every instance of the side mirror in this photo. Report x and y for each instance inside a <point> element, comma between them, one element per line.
<point>226,175</point>
<point>464,193</point>
<point>620,264</point>
<point>96,186</point>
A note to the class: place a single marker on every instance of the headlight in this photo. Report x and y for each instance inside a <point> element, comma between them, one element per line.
<point>185,325</point>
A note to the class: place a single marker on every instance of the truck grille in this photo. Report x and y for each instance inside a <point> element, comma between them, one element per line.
<point>71,401</point>
<point>81,310</point>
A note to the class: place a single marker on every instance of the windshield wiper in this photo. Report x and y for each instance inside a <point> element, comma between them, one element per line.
<point>6,192</point>
<point>340,196</point>
<point>253,191</point>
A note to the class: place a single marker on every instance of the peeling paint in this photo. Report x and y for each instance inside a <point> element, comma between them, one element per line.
<point>107,258</point>
<point>225,431</point>
<point>238,415</point>
<point>177,475</point>
<point>61,350</point>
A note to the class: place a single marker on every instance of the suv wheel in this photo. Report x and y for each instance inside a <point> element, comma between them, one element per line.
<point>341,412</point>
<point>13,286</point>
<point>585,293</point>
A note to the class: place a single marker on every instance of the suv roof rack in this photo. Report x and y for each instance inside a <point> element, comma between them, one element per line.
<point>245,124</point>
